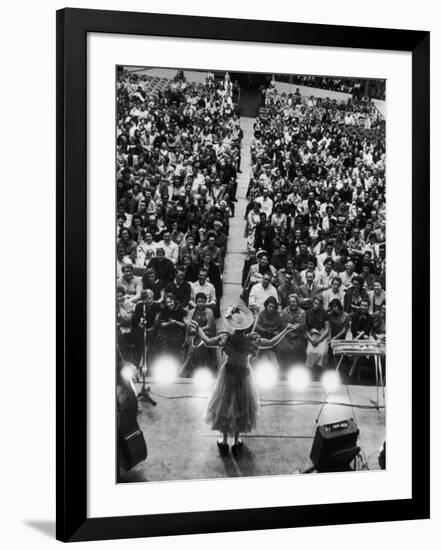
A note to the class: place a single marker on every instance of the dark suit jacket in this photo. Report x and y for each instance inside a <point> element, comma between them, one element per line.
<point>307,294</point>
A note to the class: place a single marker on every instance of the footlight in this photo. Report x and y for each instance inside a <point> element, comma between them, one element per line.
<point>331,381</point>
<point>203,378</point>
<point>165,369</point>
<point>299,378</point>
<point>266,374</point>
<point>128,372</point>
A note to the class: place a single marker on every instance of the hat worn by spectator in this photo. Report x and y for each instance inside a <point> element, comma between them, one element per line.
<point>261,253</point>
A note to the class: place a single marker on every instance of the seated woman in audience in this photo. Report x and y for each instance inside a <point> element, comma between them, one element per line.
<point>177,236</point>
<point>128,244</point>
<point>317,333</point>
<point>355,295</point>
<point>279,220</point>
<point>131,285</point>
<point>123,322</point>
<point>146,249</point>
<point>253,220</point>
<point>338,321</point>
<point>268,321</point>
<point>377,297</point>
<point>136,229</point>
<point>292,349</point>
<point>170,334</point>
<point>151,282</point>
<point>197,354</point>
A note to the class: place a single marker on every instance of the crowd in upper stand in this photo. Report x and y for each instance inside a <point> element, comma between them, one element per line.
<point>316,223</point>
<point>178,154</point>
<point>354,86</point>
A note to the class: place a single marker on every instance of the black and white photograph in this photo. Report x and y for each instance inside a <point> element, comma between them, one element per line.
<point>250,274</point>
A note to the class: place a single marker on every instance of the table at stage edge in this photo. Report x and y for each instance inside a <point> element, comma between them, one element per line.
<point>367,348</point>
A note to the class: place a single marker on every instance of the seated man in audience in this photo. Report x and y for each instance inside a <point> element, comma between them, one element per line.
<point>215,252</point>
<point>361,327</point>
<point>285,289</point>
<point>308,291</point>
<point>144,317</point>
<point>280,257</point>
<point>310,268</point>
<point>189,248</point>
<point>164,267</point>
<point>260,292</point>
<point>258,270</point>
<point>347,275</point>
<point>131,286</point>
<point>327,274</point>
<point>180,288</point>
<point>335,292</point>
<point>379,323</point>
<point>220,237</point>
<point>151,282</point>
<point>303,257</point>
<point>328,254</point>
<point>202,285</point>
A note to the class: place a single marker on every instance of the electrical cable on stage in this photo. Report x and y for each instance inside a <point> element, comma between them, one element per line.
<point>271,402</point>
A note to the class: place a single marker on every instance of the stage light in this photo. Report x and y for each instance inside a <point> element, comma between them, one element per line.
<point>299,378</point>
<point>266,374</point>
<point>165,369</point>
<point>203,378</point>
<point>128,372</point>
<point>331,381</point>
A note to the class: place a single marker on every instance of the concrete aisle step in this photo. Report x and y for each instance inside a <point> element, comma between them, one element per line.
<point>237,244</point>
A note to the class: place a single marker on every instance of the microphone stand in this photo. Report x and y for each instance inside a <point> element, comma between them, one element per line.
<point>144,394</point>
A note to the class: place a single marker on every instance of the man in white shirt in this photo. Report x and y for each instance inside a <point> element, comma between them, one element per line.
<point>260,292</point>
<point>171,249</point>
<point>266,203</point>
<point>335,292</point>
<point>328,254</point>
<point>202,285</point>
<point>327,274</point>
<point>347,275</point>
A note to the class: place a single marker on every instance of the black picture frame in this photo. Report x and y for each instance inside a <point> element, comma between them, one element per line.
<point>72,28</point>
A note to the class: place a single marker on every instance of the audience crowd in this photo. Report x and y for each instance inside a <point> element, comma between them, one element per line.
<point>376,88</point>
<point>315,222</point>
<point>316,225</point>
<point>178,154</point>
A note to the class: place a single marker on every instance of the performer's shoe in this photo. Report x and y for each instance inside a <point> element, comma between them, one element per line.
<point>223,448</point>
<point>236,449</point>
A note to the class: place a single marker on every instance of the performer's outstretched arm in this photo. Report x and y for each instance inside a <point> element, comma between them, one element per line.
<point>209,342</point>
<point>264,343</point>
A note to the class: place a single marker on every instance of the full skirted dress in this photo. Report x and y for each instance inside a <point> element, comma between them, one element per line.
<point>234,405</point>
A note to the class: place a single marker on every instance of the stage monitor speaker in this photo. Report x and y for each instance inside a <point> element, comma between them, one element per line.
<point>334,445</point>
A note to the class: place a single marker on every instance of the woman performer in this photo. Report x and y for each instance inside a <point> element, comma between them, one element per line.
<point>234,405</point>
